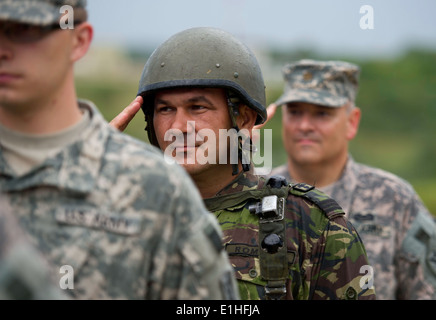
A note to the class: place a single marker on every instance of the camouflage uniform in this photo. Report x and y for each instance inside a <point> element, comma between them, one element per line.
<point>109,208</point>
<point>129,225</point>
<point>283,241</point>
<point>327,83</point>
<point>324,254</point>
<point>40,12</point>
<point>398,231</point>
<point>24,274</point>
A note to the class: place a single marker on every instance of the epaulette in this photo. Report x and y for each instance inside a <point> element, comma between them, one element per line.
<point>327,204</point>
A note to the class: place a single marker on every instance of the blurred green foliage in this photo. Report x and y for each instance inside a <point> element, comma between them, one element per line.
<point>397,97</point>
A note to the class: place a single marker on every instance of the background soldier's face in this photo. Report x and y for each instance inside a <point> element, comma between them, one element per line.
<point>33,71</point>
<point>316,134</point>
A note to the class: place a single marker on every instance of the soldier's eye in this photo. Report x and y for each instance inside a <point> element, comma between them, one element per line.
<point>198,107</point>
<point>23,33</point>
<point>294,112</point>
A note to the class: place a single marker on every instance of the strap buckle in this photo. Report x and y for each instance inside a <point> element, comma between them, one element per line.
<point>270,209</point>
<point>275,293</point>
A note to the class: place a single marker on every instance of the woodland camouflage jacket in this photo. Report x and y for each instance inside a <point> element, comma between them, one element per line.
<point>324,257</point>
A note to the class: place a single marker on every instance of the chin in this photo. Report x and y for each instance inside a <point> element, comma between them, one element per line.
<point>306,159</point>
<point>193,169</point>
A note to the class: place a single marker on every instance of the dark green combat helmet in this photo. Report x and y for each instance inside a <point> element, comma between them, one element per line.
<point>203,57</point>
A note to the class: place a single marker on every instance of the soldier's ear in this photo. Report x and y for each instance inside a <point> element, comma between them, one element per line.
<point>353,122</point>
<point>246,118</point>
<point>82,38</point>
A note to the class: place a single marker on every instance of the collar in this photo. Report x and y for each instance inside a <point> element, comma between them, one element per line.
<point>342,189</point>
<point>74,169</point>
<point>245,180</point>
<point>245,186</point>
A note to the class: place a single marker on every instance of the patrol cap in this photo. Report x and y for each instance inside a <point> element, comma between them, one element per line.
<point>38,12</point>
<point>326,83</point>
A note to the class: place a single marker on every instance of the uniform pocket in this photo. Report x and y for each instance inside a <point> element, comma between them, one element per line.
<point>95,245</point>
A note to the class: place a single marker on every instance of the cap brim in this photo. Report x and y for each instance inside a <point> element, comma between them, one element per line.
<point>29,12</point>
<point>318,97</point>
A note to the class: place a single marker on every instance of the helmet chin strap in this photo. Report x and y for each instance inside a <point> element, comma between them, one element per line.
<point>233,102</point>
<point>149,128</point>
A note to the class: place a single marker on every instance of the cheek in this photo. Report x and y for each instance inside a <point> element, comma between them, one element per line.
<point>288,145</point>
<point>222,121</point>
<point>51,68</point>
<point>334,135</point>
<point>287,130</point>
<point>160,130</point>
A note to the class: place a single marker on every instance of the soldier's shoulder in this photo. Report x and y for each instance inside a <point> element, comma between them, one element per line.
<point>327,205</point>
<point>134,155</point>
<point>130,146</point>
<point>129,162</point>
<point>377,178</point>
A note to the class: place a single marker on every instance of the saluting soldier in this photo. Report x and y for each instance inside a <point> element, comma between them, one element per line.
<point>285,241</point>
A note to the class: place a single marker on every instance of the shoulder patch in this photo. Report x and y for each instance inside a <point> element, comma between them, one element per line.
<point>328,205</point>
<point>303,187</point>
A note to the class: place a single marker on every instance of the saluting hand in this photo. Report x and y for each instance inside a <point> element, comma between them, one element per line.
<point>122,120</point>
<point>271,110</point>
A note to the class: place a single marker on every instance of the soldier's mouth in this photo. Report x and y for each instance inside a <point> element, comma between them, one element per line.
<point>306,141</point>
<point>8,77</point>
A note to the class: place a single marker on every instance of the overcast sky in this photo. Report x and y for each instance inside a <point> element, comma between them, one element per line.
<point>328,26</point>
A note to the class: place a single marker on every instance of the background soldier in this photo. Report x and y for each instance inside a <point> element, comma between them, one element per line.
<point>283,241</point>
<point>130,225</point>
<point>319,120</point>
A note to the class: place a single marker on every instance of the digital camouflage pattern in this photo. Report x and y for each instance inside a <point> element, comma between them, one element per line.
<point>325,254</point>
<point>326,83</point>
<point>24,273</point>
<point>397,230</point>
<point>36,12</point>
<point>130,225</point>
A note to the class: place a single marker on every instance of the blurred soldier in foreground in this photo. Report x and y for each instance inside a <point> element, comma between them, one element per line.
<point>284,241</point>
<point>24,274</point>
<point>95,202</point>
<point>319,118</point>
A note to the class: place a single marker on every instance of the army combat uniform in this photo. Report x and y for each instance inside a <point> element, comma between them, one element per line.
<point>24,274</point>
<point>398,231</point>
<point>128,224</point>
<point>321,255</point>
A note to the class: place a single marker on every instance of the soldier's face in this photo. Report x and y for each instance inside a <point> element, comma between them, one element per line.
<point>185,119</point>
<point>33,71</point>
<point>316,135</point>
